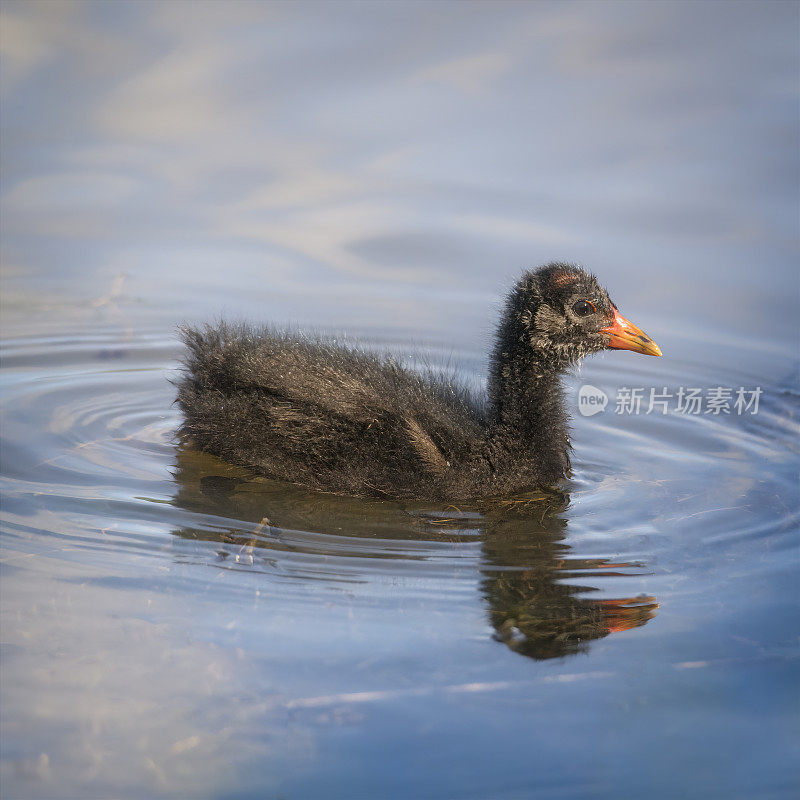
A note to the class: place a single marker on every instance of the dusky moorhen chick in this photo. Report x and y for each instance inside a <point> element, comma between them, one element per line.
<point>340,420</point>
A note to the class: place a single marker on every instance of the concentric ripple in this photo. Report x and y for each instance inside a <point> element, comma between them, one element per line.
<point>92,470</point>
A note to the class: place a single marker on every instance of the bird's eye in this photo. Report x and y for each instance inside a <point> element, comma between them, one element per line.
<point>583,308</point>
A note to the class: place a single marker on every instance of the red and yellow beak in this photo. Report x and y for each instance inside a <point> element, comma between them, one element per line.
<point>624,335</point>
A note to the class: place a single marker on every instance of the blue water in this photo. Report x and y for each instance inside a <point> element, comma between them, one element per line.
<point>173,626</point>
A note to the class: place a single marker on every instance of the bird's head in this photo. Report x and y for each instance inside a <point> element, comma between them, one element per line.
<point>562,313</point>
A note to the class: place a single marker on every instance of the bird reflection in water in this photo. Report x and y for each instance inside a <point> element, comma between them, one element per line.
<point>538,595</point>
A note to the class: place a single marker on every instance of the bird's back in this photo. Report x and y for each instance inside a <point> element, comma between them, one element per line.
<point>313,412</point>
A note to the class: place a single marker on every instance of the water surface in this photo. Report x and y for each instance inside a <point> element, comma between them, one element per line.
<point>173,626</point>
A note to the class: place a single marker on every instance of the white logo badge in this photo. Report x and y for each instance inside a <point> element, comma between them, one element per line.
<point>591,400</point>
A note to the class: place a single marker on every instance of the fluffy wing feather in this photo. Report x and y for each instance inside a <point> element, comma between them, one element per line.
<point>310,411</point>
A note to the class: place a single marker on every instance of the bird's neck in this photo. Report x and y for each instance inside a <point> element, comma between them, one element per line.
<point>528,437</point>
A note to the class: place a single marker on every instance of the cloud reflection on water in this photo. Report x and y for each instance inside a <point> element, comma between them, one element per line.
<point>392,145</point>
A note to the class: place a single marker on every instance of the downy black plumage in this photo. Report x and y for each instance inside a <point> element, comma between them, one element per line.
<point>341,420</point>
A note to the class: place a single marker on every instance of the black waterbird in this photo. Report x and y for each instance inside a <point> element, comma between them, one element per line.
<point>341,420</point>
